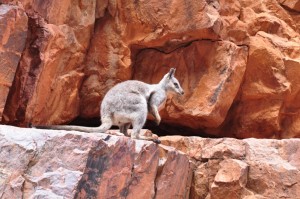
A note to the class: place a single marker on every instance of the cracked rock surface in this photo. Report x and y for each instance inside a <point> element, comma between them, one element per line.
<point>241,169</point>
<point>60,164</point>
<point>68,164</point>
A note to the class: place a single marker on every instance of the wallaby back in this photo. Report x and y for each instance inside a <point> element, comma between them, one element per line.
<point>125,97</point>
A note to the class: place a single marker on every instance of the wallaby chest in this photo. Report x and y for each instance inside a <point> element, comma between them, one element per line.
<point>158,98</point>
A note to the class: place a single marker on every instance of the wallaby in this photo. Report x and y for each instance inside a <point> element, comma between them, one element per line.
<point>127,103</point>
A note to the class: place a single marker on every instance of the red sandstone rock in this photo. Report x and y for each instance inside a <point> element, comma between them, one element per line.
<point>49,163</point>
<point>292,4</point>
<point>231,179</point>
<point>174,175</point>
<point>242,22</point>
<point>237,60</point>
<point>131,25</point>
<point>50,71</point>
<point>13,33</point>
<point>206,148</point>
<point>267,103</point>
<point>47,72</point>
<point>216,71</point>
<point>267,168</point>
<point>200,186</point>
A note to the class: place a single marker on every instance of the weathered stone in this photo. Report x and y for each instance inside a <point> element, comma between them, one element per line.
<point>191,146</point>
<point>200,183</point>
<point>266,28</point>
<point>13,33</point>
<point>268,168</point>
<point>206,148</point>
<point>70,164</point>
<point>237,60</point>
<point>230,180</point>
<point>266,162</point>
<point>50,72</point>
<point>59,164</point>
<point>216,71</point>
<point>223,148</point>
<point>173,181</point>
<point>53,59</point>
<point>291,4</point>
<point>130,26</point>
<point>269,87</point>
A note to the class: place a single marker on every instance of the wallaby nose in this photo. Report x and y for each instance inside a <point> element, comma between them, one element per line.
<point>182,92</point>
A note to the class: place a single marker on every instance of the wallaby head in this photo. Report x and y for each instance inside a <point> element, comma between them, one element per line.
<point>171,83</point>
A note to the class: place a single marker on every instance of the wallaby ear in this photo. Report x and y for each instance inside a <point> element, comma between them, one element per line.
<point>171,72</point>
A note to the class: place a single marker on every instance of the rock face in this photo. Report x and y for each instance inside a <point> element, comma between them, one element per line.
<point>241,169</point>
<point>59,164</point>
<point>237,60</point>
<point>131,26</point>
<point>51,66</point>
<point>13,33</point>
<point>220,67</point>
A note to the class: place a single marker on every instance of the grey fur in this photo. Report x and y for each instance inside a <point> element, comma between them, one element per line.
<point>127,103</point>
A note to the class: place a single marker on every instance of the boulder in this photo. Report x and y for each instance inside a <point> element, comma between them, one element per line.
<point>255,168</point>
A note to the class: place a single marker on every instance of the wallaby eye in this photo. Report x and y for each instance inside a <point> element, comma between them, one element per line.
<point>176,85</point>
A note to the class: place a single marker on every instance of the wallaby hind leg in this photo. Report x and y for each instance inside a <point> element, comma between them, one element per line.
<point>106,125</point>
<point>124,128</point>
<point>137,125</point>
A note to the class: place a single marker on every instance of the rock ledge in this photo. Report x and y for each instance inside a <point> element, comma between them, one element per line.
<point>68,164</point>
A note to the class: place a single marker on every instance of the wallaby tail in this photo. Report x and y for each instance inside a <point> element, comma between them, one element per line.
<point>69,128</point>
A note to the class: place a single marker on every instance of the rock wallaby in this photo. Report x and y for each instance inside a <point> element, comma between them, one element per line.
<point>128,103</point>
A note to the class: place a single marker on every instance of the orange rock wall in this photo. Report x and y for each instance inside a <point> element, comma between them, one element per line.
<point>238,61</point>
<point>13,33</point>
